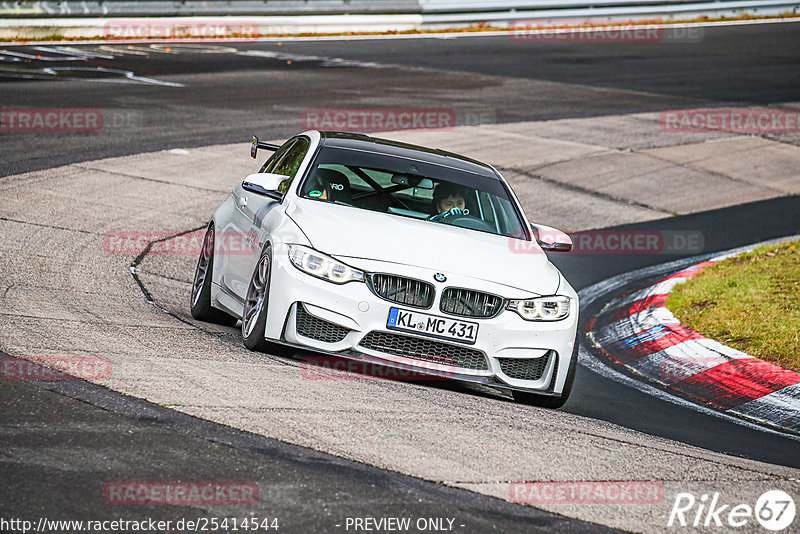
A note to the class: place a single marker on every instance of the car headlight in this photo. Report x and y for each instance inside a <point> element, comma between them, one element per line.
<point>553,308</point>
<point>323,266</point>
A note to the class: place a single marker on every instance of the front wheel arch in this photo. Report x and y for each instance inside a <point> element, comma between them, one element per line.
<point>200,297</point>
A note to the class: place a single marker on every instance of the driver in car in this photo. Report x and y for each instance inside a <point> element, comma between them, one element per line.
<point>448,199</point>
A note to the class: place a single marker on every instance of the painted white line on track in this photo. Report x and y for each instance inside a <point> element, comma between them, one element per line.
<point>61,74</point>
<point>126,76</point>
<point>324,60</point>
<point>69,51</point>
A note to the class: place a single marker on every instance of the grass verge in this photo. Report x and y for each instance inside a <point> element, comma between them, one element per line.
<point>750,302</point>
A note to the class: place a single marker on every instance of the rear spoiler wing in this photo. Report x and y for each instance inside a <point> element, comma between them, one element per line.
<point>256,144</point>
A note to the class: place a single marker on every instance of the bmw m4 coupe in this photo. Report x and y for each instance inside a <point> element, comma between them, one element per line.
<point>396,254</point>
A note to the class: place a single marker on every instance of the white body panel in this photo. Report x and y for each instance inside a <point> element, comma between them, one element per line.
<point>355,233</point>
<point>384,243</point>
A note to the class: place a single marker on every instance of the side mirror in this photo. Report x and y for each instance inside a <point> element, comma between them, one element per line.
<point>550,239</point>
<point>265,183</point>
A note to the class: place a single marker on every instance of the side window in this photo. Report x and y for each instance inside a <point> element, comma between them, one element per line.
<point>277,156</point>
<point>488,212</point>
<point>290,163</point>
<point>509,222</point>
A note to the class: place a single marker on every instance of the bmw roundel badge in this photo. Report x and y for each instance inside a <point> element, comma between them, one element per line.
<point>439,277</point>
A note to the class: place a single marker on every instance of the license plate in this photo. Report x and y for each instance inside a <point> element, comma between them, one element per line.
<point>432,326</point>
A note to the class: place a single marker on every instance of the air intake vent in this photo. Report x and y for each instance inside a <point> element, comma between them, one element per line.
<point>309,326</point>
<point>406,291</point>
<point>468,303</point>
<point>525,368</point>
<point>425,350</point>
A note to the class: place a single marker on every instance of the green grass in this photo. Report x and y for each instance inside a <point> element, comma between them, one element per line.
<point>750,302</point>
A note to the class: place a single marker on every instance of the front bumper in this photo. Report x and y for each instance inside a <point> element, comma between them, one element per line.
<point>348,319</point>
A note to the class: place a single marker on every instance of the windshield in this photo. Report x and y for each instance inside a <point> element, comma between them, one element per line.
<point>412,188</point>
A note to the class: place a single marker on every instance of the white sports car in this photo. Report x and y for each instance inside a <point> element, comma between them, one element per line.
<point>413,258</point>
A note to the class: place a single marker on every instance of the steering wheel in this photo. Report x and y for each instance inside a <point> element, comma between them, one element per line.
<point>468,221</point>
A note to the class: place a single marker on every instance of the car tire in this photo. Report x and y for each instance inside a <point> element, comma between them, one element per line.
<point>548,401</point>
<point>254,314</point>
<point>200,299</point>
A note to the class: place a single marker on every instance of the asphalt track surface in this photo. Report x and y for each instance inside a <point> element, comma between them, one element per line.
<point>231,94</point>
<point>264,87</point>
<point>80,445</point>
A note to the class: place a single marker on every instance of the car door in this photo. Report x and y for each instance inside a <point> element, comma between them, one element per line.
<point>256,215</point>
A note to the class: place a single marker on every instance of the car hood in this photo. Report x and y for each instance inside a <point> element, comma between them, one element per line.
<point>347,232</point>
